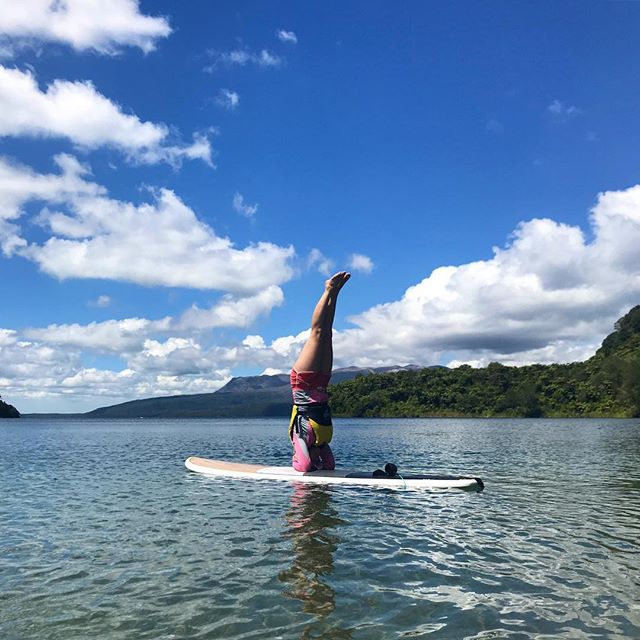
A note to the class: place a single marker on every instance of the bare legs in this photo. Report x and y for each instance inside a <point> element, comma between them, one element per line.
<point>316,360</point>
<point>317,353</point>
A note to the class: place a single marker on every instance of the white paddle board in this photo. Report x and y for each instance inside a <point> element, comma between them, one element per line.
<point>337,476</point>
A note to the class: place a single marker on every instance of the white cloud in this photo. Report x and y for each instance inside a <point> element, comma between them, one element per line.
<point>241,58</point>
<point>359,262</point>
<point>268,59</point>
<point>110,336</point>
<point>96,378</point>
<point>97,237</point>
<point>39,377</point>
<point>179,250</point>
<point>227,99</point>
<point>34,370</point>
<point>78,112</point>
<point>320,262</point>
<point>232,311</point>
<point>254,342</point>
<point>199,149</point>
<point>155,349</point>
<point>561,110</point>
<point>287,36</point>
<point>7,337</point>
<point>162,357</point>
<point>132,334</point>
<point>239,206</point>
<point>548,296</point>
<point>270,371</point>
<point>96,25</point>
<point>19,185</point>
<point>170,385</point>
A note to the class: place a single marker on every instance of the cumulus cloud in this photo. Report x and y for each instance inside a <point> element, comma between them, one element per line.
<point>47,374</point>
<point>110,336</point>
<point>98,237</point>
<point>239,206</point>
<point>278,355</point>
<point>43,367</point>
<point>174,356</point>
<point>241,58</point>
<point>78,112</point>
<point>40,377</point>
<point>132,334</point>
<point>82,24</point>
<point>232,311</point>
<point>7,337</point>
<point>171,385</point>
<point>270,371</point>
<point>19,185</point>
<point>550,295</point>
<point>287,36</point>
<point>317,260</point>
<point>361,263</point>
<point>253,342</point>
<point>97,378</point>
<point>227,99</point>
<point>32,370</point>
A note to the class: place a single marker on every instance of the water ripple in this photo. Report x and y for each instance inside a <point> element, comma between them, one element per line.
<point>105,535</point>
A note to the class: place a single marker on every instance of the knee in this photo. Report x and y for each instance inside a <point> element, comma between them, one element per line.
<point>328,461</point>
<point>302,465</point>
<point>320,333</point>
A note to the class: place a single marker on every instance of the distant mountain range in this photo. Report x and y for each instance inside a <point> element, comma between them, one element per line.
<point>242,397</point>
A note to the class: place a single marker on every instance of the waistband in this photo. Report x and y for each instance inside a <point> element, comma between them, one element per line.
<point>309,387</point>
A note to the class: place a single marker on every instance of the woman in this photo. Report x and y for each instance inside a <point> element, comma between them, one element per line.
<point>310,428</point>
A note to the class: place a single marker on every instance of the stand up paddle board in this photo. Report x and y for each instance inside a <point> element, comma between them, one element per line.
<point>337,476</point>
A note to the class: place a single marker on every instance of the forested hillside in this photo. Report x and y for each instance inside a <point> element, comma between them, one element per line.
<point>8,411</point>
<point>608,384</point>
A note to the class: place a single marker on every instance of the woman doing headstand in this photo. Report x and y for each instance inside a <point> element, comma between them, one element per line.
<point>311,428</point>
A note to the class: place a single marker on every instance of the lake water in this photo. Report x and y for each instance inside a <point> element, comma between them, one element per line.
<point>104,533</point>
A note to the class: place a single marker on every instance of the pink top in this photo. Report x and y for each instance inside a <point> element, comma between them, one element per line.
<point>309,387</point>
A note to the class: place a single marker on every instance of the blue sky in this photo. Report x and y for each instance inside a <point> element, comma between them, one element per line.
<point>177,180</point>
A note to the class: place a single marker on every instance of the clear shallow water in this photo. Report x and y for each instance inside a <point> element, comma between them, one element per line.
<point>104,534</point>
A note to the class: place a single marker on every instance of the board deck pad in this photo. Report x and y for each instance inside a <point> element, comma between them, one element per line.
<point>337,476</point>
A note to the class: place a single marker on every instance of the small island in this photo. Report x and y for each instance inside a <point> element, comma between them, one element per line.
<point>8,410</point>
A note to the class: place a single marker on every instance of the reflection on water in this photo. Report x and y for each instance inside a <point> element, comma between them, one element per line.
<point>311,521</point>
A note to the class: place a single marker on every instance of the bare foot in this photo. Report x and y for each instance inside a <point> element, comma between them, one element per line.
<point>337,281</point>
